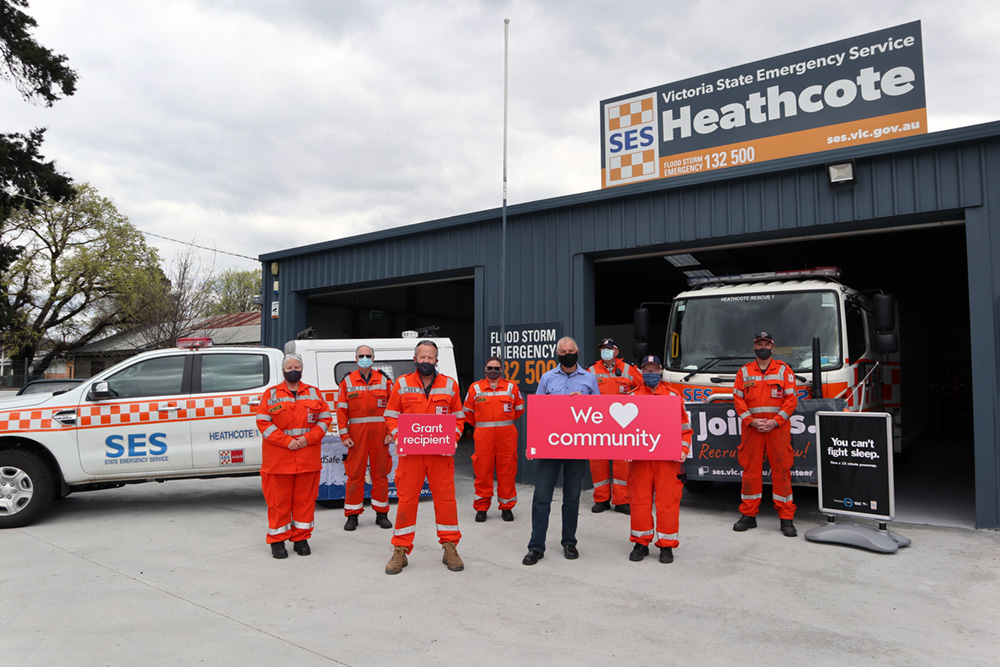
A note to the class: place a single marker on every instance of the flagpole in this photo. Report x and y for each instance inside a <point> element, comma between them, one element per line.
<point>503,217</point>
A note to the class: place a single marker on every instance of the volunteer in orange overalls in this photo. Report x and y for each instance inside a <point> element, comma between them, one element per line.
<point>615,378</point>
<point>659,478</point>
<point>493,405</point>
<point>361,400</point>
<point>425,392</point>
<point>293,418</point>
<point>764,398</point>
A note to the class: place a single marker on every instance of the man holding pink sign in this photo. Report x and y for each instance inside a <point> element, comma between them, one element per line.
<point>425,392</point>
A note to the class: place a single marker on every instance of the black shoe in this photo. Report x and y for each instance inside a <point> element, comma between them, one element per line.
<point>352,522</point>
<point>570,552</point>
<point>532,557</point>
<point>480,516</point>
<point>745,523</point>
<point>666,555</point>
<point>624,509</point>
<point>506,515</point>
<point>601,506</point>
<point>302,547</point>
<point>639,551</point>
<point>788,528</point>
<point>382,520</point>
<point>278,550</point>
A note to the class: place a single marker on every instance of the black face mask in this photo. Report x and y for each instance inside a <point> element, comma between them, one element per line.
<point>425,368</point>
<point>763,353</point>
<point>293,376</point>
<point>568,360</point>
<point>493,375</point>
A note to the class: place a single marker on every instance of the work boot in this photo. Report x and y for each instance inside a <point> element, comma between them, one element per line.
<point>302,547</point>
<point>506,515</point>
<point>624,509</point>
<point>352,522</point>
<point>666,555</point>
<point>480,516</point>
<point>278,550</point>
<point>451,557</point>
<point>397,562</point>
<point>382,520</point>
<point>639,551</point>
<point>745,523</point>
<point>601,506</point>
<point>788,528</point>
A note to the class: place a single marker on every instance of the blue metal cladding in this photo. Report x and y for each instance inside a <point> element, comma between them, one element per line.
<point>551,245</point>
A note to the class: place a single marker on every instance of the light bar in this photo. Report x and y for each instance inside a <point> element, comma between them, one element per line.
<point>820,272</point>
<point>193,343</point>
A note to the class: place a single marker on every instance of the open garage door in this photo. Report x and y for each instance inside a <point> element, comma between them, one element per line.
<point>924,266</point>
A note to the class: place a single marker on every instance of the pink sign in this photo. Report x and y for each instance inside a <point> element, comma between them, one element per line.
<point>633,428</point>
<point>425,434</point>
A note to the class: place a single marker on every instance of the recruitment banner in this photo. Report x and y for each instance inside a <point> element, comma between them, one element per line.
<point>717,435</point>
<point>855,464</point>
<point>847,93</point>
<point>333,477</point>
<point>635,428</point>
<point>426,434</point>
<point>527,351</point>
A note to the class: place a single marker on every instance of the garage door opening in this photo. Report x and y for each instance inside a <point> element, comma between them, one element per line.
<point>924,266</point>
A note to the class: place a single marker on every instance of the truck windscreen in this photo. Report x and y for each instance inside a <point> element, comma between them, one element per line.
<point>721,327</point>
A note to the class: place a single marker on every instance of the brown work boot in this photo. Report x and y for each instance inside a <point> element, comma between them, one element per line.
<point>397,562</point>
<point>451,557</point>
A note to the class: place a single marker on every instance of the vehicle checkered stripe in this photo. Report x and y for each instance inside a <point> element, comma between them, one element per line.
<point>138,412</point>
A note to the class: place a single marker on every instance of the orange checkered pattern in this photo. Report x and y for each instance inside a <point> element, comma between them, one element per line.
<point>622,116</point>
<point>630,165</point>
<point>26,420</point>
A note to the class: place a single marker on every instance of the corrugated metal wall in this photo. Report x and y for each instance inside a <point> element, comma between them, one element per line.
<point>552,244</point>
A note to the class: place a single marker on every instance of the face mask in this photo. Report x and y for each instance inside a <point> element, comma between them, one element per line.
<point>763,353</point>
<point>568,360</point>
<point>651,379</point>
<point>606,354</point>
<point>365,362</point>
<point>425,368</point>
<point>493,375</point>
<point>293,376</point>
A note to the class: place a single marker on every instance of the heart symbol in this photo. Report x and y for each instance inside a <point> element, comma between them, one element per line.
<point>623,413</point>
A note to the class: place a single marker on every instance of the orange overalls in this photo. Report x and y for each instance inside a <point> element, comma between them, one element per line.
<point>768,394</point>
<point>493,413</point>
<point>360,405</point>
<point>409,397</point>
<point>611,478</point>
<point>290,478</point>
<point>659,478</point>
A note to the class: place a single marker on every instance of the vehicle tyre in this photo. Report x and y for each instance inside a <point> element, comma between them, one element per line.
<point>698,485</point>
<point>331,504</point>
<point>27,487</point>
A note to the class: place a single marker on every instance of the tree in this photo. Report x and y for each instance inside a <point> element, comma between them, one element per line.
<point>232,291</point>
<point>80,267</point>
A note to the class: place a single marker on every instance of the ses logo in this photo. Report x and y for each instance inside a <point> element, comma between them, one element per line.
<point>135,448</point>
<point>631,152</point>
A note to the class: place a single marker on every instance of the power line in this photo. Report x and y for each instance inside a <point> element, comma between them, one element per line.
<point>159,236</point>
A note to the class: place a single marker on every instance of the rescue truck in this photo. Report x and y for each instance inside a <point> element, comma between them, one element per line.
<point>841,343</point>
<point>179,413</point>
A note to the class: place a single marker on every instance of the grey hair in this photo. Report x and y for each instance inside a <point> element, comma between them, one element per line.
<point>357,350</point>
<point>291,356</point>
<point>567,338</point>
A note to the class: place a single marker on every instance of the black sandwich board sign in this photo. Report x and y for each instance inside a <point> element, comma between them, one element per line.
<point>855,464</point>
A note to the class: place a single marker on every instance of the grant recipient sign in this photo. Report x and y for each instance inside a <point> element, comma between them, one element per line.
<point>426,434</point>
<point>634,428</point>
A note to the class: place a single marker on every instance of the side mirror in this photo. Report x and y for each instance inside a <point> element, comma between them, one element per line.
<point>99,391</point>
<point>884,309</point>
<point>886,343</point>
<point>641,324</point>
<point>640,349</point>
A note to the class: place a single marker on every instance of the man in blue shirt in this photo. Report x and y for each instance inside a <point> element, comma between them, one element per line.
<point>569,379</point>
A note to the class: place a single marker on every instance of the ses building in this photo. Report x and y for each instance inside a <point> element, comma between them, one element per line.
<point>799,161</point>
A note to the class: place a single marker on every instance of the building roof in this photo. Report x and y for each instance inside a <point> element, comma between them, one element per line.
<point>230,329</point>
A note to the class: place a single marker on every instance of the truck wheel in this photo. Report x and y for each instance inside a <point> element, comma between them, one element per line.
<point>26,488</point>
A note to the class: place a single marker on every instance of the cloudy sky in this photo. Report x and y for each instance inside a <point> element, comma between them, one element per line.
<point>255,125</point>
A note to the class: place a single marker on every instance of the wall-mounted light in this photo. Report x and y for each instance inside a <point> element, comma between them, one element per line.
<point>840,174</point>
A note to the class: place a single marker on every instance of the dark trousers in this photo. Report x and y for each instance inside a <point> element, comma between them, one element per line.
<point>546,475</point>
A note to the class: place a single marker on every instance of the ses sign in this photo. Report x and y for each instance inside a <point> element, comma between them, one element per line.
<point>847,93</point>
<point>635,428</point>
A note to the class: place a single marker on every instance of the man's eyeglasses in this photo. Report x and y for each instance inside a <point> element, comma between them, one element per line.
<point>366,356</point>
